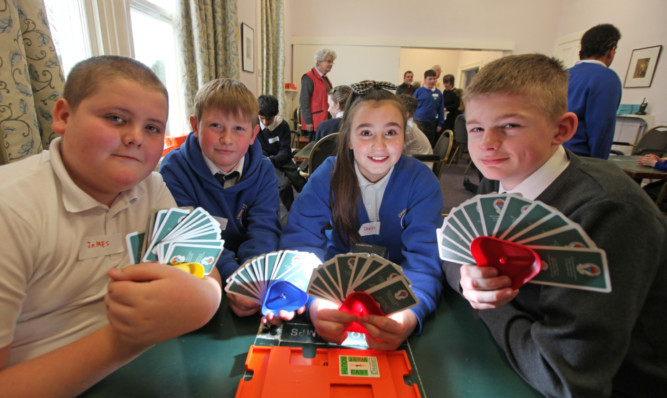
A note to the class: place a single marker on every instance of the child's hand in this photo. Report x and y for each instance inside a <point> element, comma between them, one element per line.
<point>329,322</point>
<point>150,303</point>
<point>484,288</point>
<point>388,332</point>
<point>242,306</point>
<point>282,316</point>
<point>648,160</point>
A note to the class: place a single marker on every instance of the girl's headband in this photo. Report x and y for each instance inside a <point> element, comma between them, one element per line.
<point>365,86</point>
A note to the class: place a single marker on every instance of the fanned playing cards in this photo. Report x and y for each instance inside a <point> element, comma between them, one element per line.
<point>178,235</point>
<point>569,257</point>
<point>277,280</point>
<point>338,278</point>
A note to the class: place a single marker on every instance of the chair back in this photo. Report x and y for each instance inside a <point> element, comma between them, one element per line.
<point>654,141</point>
<point>323,149</point>
<point>443,148</point>
<point>460,132</point>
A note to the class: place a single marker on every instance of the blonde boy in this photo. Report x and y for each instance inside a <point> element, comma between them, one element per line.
<point>221,168</point>
<point>566,342</point>
<point>71,310</point>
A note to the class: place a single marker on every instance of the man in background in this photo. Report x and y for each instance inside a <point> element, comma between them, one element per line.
<point>594,93</point>
<point>406,87</point>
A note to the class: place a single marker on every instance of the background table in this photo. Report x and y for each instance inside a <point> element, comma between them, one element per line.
<point>636,171</point>
<point>455,357</point>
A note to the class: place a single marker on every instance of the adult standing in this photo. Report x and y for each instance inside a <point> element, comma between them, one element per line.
<point>315,86</point>
<point>406,87</point>
<point>452,102</point>
<point>594,93</point>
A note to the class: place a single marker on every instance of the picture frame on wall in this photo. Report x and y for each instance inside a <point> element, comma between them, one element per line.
<point>248,48</point>
<point>642,67</point>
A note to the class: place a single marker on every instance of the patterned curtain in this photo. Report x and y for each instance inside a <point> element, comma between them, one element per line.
<point>273,49</point>
<point>31,79</point>
<point>208,30</point>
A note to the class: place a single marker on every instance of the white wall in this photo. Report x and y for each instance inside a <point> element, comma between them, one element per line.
<point>516,26</point>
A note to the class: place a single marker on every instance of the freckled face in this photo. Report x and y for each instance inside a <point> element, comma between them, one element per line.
<point>224,138</point>
<point>376,138</point>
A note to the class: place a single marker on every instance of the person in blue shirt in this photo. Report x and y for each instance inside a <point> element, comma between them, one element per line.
<point>594,93</point>
<point>430,113</point>
<point>370,193</point>
<point>220,168</point>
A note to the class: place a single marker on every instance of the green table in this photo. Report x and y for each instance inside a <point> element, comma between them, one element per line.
<point>636,171</point>
<point>455,357</point>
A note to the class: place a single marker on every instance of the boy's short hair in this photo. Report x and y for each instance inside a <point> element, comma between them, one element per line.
<point>86,76</point>
<point>448,79</point>
<point>268,105</point>
<point>409,103</point>
<point>429,72</point>
<point>541,78</point>
<point>230,96</point>
<point>598,40</point>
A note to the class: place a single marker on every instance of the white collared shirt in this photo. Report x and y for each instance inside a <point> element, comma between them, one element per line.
<point>372,193</point>
<point>591,61</point>
<point>215,170</point>
<point>276,121</point>
<point>536,183</point>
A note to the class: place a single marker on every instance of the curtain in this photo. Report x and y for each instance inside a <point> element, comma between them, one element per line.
<point>31,79</point>
<point>208,32</point>
<point>273,50</point>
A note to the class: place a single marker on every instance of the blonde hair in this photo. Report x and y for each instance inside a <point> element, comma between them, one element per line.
<point>86,77</point>
<point>228,95</point>
<point>541,78</point>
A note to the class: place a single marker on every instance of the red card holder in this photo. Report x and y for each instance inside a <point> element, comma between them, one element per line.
<point>360,303</point>
<point>517,261</point>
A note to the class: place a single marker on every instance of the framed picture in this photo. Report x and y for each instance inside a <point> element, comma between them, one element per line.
<point>642,67</point>
<point>248,47</point>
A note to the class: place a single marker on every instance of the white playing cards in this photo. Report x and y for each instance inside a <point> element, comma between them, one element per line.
<point>569,257</point>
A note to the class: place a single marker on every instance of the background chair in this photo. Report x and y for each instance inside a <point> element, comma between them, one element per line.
<point>654,141</point>
<point>323,149</point>
<point>460,138</point>
<point>441,152</point>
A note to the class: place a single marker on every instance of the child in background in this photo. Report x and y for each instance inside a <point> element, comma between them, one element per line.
<point>430,112</point>
<point>396,200</point>
<point>416,142</point>
<point>566,342</point>
<point>72,312</point>
<point>337,99</point>
<point>275,137</point>
<point>221,169</point>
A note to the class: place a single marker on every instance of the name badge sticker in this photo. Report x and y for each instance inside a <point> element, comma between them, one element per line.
<point>222,221</point>
<point>370,228</point>
<point>100,245</point>
<point>274,139</point>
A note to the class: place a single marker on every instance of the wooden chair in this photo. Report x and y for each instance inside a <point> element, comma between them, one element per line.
<point>323,149</point>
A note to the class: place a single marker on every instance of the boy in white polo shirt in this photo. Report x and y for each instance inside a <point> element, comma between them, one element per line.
<point>71,310</point>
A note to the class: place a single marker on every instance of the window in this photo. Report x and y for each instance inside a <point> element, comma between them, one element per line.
<point>142,29</point>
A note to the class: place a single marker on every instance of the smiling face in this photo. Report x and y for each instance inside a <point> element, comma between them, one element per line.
<point>377,137</point>
<point>407,79</point>
<point>114,138</point>
<point>509,137</point>
<point>224,137</point>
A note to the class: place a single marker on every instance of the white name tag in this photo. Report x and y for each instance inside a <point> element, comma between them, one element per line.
<point>371,228</point>
<point>100,245</point>
<point>274,139</point>
<point>222,221</point>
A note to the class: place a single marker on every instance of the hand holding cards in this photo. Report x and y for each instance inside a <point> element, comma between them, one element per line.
<point>179,236</point>
<point>276,280</point>
<point>363,284</point>
<point>569,257</point>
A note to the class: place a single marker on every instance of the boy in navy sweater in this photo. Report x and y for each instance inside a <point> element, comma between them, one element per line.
<point>221,168</point>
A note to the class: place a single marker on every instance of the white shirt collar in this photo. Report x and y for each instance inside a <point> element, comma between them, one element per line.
<point>276,121</point>
<point>591,61</point>
<point>339,115</point>
<point>215,169</point>
<point>536,183</point>
<point>372,193</point>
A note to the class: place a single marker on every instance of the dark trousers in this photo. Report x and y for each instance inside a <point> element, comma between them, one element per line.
<point>430,129</point>
<point>288,178</point>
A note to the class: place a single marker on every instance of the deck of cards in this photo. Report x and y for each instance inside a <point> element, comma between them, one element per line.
<point>276,280</point>
<point>569,258</point>
<point>178,235</point>
<point>345,274</point>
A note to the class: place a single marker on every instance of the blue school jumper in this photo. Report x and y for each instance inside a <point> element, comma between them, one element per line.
<point>250,207</point>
